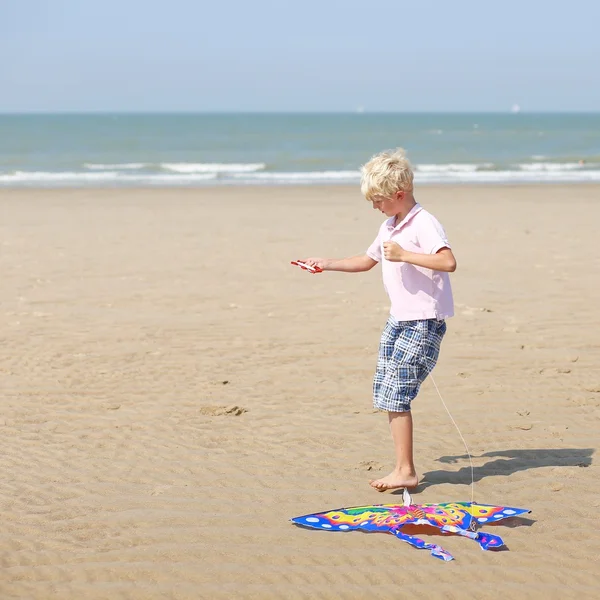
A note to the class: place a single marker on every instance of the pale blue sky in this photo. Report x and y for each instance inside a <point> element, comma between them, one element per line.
<point>309,55</point>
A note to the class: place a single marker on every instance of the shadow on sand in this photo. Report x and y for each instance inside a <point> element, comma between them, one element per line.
<point>505,463</point>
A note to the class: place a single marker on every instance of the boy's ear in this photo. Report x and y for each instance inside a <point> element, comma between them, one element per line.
<point>400,195</point>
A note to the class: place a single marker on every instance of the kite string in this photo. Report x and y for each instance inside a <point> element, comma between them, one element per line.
<point>461,437</point>
<point>459,433</point>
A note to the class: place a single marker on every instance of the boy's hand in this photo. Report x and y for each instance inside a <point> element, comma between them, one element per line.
<point>321,263</point>
<point>393,251</point>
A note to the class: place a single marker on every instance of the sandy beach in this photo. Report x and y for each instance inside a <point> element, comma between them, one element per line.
<point>173,392</point>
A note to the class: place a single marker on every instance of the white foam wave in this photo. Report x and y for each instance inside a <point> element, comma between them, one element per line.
<point>453,167</point>
<point>439,175</point>
<point>213,167</point>
<point>302,176</point>
<point>541,166</point>
<point>172,179</point>
<point>73,178</point>
<point>117,166</point>
<point>567,176</point>
<point>42,176</point>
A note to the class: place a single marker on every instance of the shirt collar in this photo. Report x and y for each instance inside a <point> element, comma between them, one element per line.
<point>413,211</point>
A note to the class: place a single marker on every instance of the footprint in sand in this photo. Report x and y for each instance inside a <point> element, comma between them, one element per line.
<point>522,426</point>
<point>159,490</point>
<point>471,310</point>
<point>554,371</point>
<point>369,465</point>
<point>217,411</point>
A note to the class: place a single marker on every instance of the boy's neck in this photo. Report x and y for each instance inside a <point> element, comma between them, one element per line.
<point>407,205</point>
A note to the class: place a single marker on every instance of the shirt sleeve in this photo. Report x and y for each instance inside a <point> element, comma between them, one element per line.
<point>432,236</point>
<point>374,250</point>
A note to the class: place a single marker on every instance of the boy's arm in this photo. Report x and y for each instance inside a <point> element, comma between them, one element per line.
<point>353,264</point>
<point>442,260</point>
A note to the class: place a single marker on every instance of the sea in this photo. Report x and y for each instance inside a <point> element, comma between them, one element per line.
<point>149,150</point>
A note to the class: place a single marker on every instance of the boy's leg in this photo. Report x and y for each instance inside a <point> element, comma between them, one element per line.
<point>404,475</point>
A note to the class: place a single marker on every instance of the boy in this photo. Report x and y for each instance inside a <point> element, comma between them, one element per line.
<point>416,258</point>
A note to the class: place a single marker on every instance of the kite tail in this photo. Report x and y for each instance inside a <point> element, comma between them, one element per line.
<point>436,551</point>
<point>486,541</point>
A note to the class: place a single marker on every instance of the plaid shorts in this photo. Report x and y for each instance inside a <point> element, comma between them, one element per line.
<point>408,352</point>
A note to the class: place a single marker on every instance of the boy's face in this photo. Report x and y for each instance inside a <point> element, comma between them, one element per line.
<point>389,206</point>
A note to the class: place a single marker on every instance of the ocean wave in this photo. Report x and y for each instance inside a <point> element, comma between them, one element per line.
<point>213,167</point>
<point>546,166</point>
<point>432,174</point>
<point>510,176</point>
<point>113,167</point>
<point>302,176</point>
<point>63,176</point>
<point>453,167</point>
<point>110,177</point>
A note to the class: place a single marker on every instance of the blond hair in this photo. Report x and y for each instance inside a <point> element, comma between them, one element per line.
<point>385,174</point>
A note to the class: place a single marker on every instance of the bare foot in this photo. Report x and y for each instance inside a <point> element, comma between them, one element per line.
<point>395,480</point>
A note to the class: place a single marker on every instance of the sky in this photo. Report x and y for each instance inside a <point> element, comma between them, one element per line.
<point>308,55</point>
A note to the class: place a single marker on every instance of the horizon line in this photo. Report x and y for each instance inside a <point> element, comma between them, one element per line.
<point>362,112</point>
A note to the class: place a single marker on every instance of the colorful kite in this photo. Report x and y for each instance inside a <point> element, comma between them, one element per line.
<point>461,518</point>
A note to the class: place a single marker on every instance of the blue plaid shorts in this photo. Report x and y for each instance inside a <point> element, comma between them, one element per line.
<point>408,351</point>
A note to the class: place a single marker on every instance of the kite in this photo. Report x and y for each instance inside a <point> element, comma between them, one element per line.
<point>461,518</point>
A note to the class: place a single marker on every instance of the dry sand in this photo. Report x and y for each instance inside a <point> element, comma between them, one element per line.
<point>173,391</point>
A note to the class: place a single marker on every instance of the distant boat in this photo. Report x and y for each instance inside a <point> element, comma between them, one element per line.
<point>360,109</point>
<point>515,108</point>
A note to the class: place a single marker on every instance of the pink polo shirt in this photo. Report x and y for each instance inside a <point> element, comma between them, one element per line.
<point>415,292</point>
